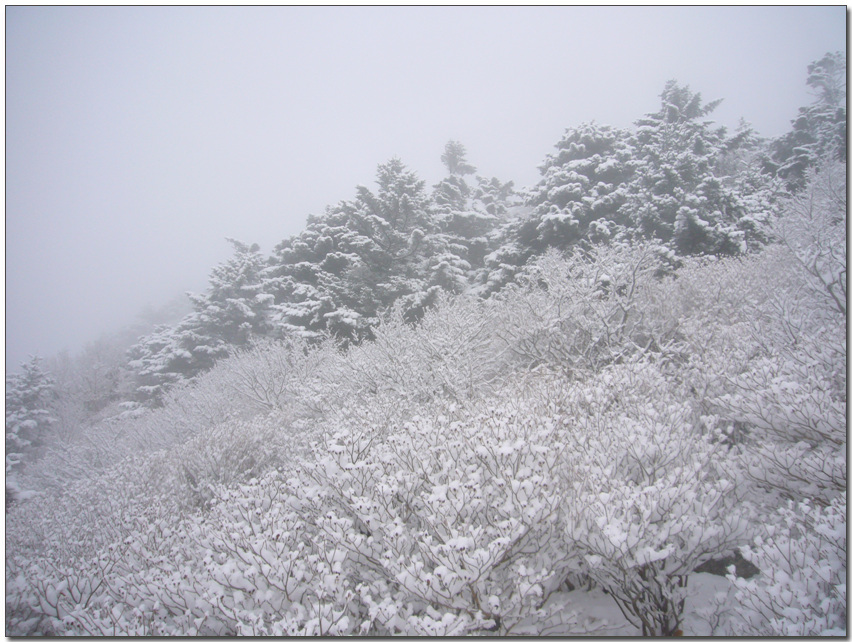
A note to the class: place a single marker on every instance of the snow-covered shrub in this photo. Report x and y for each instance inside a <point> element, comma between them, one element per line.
<point>60,545</point>
<point>719,315</point>
<point>457,512</point>
<point>269,568</point>
<point>275,374</point>
<point>212,421</point>
<point>75,554</point>
<point>791,397</point>
<point>582,312</point>
<point>173,579</point>
<point>653,499</point>
<point>226,454</point>
<point>452,352</point>
<point>710,304</point>
<point>797,425</point>
<point>801,589</point>
<point>483,511</point>
<point>812,224</point>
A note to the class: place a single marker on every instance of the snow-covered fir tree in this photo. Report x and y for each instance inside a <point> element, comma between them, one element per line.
<point>577,199</point>
<point>232,311</point>
<point>819,130</point>
<point>460,226</point>
<point>467,215</point>
<point>676,194</point>
<point>30,395</point>
<point>358,259</point>
<point>393,234</point>
<point>307,278</point>
<point>581,190</point>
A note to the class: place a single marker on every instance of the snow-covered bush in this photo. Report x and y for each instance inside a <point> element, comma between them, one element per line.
<point>792,401</point>
<point>225,454</point>
<point>801,589</point>
<point>583,312</point>
<point>466,518</point>
<point>274,375</point>
<point>60,545</point>
<point>268,568</point>
<point>611,476</point>
<point>212,421</point>
<point>797,426</point>
<point>452,352</point>
<point>790,397</point>
<point>812,224</point>
<point>457,512</point>
<point>653,499</point>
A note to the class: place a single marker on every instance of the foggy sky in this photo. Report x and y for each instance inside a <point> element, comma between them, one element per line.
<point>138,139</point>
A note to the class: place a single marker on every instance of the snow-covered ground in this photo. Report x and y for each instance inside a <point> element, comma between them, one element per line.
<point>595,613</point>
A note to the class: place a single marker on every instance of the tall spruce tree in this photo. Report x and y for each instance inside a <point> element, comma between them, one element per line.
<point>355,261</point>
<point>819,130</point>
<point>308,278</point>
<point>577,200</point>
<point>676,194</point>
<point>392,232</point>
<point>466,215</point>
<point>450,266</point>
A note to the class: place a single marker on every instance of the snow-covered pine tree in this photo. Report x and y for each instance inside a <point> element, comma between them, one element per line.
<point>466,216</point>
<point>232,311</point>
<point>392,232</point>
<point>819,130</point>
<point>581,189</point>
<point>676,194</point>
<point>356,260</point>
<point>29,397</point>
<point>493,201</point>
<point>307,277</point>
<point>577,199</point>
<point>741,169</point>
<point>235,305</point>
<point>450,267</point>
<point>454,159</point>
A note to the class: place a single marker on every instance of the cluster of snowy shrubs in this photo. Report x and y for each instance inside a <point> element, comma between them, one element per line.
<point>615,418</point>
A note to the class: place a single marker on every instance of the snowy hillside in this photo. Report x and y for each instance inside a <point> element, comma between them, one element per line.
<point>472,411</point>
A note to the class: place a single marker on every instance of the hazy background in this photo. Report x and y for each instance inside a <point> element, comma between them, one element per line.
<point>137,139</point>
